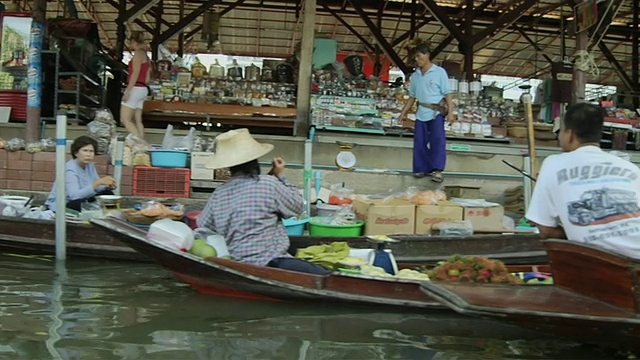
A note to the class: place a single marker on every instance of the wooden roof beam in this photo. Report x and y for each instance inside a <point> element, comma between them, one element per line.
<point>619,69</point>
<point>503,22</point>
<point>138,22</point>
<point>355,33</point>
<point>380,39</point>
<point>443,18</point>
<point>137,9</point>
<point>184,22</point>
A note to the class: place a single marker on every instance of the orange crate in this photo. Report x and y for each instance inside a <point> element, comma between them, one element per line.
<point>161,182</point>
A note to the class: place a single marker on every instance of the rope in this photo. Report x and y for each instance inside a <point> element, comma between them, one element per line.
<point>586,63</point>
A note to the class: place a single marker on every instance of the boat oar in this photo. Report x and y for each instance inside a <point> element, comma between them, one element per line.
<point>518,170</point>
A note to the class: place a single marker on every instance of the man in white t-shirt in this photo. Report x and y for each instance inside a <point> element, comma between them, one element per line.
<point>586,194</point>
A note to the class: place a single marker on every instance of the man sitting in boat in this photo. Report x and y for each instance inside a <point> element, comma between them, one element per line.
<point>82,182</point>
<point>248,209</point>
<point>586,194</point>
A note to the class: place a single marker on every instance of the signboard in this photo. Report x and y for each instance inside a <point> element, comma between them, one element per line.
<point>460,147</point>
<point>586,15</point>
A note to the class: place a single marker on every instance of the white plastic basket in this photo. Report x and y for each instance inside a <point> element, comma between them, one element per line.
<point>5,113</point>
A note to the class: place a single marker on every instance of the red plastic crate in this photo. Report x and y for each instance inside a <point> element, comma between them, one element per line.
<point>161,182</point>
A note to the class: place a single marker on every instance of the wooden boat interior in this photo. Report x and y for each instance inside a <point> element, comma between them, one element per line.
<point>221,276</point>
<point>588,282</point>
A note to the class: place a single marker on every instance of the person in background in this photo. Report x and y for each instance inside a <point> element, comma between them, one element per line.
<point>586,194</point>
<point>82,182</point>
<point>429,86</point>
<point>248,209</point>
<point>137,88</point>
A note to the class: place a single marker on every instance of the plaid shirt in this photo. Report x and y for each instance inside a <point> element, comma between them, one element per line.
<point>248,213</point>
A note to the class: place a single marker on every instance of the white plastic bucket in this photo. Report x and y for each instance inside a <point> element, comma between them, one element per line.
<point>327,209</point>
<point>13,205</point>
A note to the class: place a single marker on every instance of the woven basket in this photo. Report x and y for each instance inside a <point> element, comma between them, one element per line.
<point>517,132</point>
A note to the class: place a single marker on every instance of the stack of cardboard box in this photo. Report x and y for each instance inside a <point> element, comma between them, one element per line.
<point>398,216</point>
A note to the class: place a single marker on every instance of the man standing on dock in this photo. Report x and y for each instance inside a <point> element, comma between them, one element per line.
<point>430,87</point>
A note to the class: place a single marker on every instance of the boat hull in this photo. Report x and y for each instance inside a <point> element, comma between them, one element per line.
<point>37,237</point>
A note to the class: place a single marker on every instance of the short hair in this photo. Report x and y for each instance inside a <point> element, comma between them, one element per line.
<point>586,121</point>
<point>423,48</point>
<point>137,36</point>
<point>249,169</point>
<point>81,142</point>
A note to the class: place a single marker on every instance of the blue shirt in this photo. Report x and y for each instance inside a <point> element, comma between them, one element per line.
<point>429,88</point>
<point>78,183</point>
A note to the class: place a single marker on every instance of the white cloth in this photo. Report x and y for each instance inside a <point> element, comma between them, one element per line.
<point>136,97</point>
<point>594,196</point>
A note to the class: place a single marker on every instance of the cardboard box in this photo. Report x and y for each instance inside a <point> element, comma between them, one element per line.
<point>429,215</point>
<point>461,191</point>
<point>386,217</point>
<point>484,218</point>
<point>198,161</point>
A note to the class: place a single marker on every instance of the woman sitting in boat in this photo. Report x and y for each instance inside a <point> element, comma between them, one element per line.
<point>586,194</point>
<point>248,209</point>
<point>82,182</point>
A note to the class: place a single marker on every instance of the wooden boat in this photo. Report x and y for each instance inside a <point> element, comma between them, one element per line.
<point>595,297</point>
<point>37,237</point>
<point>220,276</point>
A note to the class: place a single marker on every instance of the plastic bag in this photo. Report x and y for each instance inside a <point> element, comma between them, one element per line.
<point>456,228</point>
<point>340,195</point>
<point>34,147</point>
<point>132,146</point>
<point>15,144</point>
<point>48,144</point>
<point>178,143</point>
<point>344,216</point>
<point>428,197</point>
<point>3,143</point>
<point>203,233</point>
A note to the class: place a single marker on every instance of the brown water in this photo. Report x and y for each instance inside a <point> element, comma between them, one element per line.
<point>88,309</point>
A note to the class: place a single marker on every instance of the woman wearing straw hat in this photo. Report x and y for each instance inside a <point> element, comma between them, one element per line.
<point>247,210</point>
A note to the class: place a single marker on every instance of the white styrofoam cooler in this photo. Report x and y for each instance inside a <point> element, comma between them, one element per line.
<point>173,233</point>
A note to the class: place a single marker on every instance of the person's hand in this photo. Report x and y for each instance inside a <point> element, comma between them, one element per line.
<point>126,94</point>
<point>108,182</point>
<point>450,118</point>
<point>277,167</point>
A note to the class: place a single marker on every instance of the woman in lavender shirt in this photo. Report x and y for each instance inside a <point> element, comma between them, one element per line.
<point>82,181</point>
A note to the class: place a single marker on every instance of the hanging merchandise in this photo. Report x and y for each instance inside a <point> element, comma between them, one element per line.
<point>475,87</point>
<point>216,70</point>
<point>463,87</point>
<point>354,64</point>
<point>252,72</point>
<point>284,73</point>
<point>453,84</point>
<point>235,71</point>
<point>562,76</point>
<point>197,69</point>
<point>267,72</point>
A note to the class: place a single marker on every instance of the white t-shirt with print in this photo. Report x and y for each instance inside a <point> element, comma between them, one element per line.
<point>594,195</point>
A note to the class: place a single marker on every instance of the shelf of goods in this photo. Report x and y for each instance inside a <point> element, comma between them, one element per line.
<point>77,94</point>
<point>365,115</point>
<point>13,91</point>
<point>211,101</point>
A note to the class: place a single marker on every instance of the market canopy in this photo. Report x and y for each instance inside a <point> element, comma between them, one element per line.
<point>513,37</point>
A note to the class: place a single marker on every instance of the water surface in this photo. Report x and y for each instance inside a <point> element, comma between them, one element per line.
<point>93,309</point>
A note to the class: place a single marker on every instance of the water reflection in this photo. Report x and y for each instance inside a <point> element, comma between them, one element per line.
<point>109,310</point>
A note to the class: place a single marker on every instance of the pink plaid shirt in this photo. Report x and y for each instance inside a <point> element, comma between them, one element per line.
<point>248,213</point>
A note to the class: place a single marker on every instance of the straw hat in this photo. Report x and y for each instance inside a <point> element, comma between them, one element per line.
<point>236,147</point>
